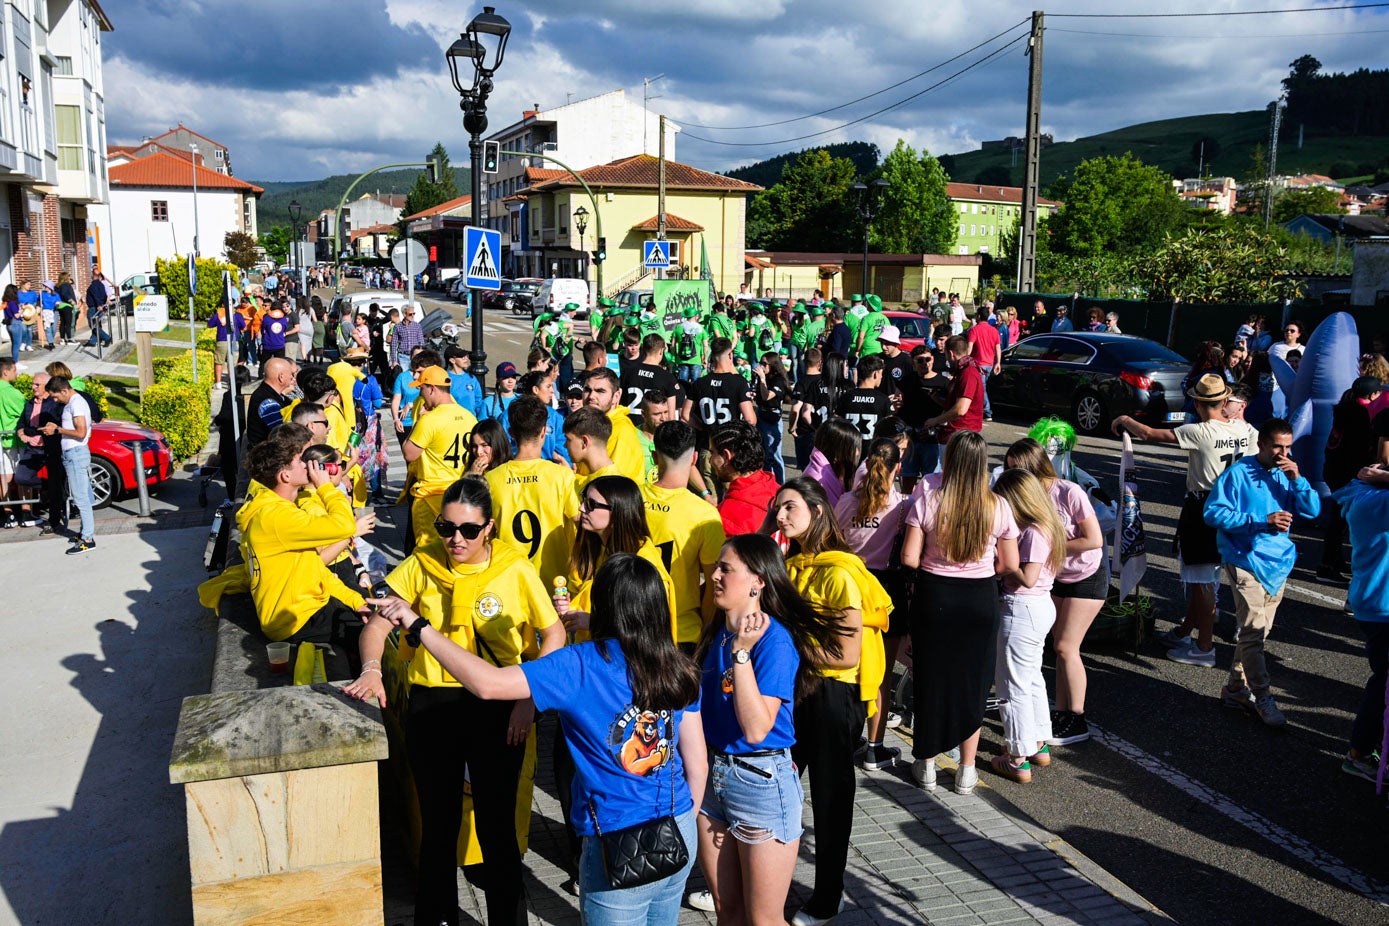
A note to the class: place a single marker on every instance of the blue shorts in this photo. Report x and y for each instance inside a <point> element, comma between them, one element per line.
<point>758,797</point>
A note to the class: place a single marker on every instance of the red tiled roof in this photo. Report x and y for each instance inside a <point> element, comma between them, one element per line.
<point>993,194</point>
<point>642,171</point>
<point>165,170</point>
<point>756,263</point>
<point>673,223</point>
<point>441,208</point>
<point>113,150</point>
<point>382,229</point>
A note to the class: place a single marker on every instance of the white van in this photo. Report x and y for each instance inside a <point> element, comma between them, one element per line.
<point>556,293</point>
<point>352,303</point>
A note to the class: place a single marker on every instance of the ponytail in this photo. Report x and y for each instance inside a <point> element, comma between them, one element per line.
<point>873,492</point>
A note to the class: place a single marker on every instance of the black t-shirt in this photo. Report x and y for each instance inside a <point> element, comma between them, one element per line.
<point>895,369</point>
<point>638,378</point>
<point>375,328</point>
<point>863,408</point>
<point>814,391</point>
<point>769,398</point>
<point>716,398</point>
<point>921,397</point>
<point>625,363</point>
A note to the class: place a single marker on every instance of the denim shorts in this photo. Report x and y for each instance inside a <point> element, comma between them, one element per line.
<point>758,797</point>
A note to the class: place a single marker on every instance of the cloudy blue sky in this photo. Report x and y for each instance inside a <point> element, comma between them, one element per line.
<point>306,88</point>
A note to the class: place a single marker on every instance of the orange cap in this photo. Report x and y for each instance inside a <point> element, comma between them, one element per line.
<point>431,376</point>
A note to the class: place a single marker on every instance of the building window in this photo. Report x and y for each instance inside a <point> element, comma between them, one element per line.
<point>159,210</point>
<point>64,68</point>
<point>69,119</point>
<point>964,249</point>
<point>964,207</point>
<point>972,231</point>
<point>962,229</point>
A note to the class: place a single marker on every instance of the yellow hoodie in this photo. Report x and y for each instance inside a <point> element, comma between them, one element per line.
<point>624,447</point>
<point>814,576</point>
<point>279,542</point>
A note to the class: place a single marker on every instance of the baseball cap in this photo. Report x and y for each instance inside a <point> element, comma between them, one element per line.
<point>431,376</point>
<point>505,369</point>
<point>890,335</point>
<point>575,390</point>
<point>1366,386</point>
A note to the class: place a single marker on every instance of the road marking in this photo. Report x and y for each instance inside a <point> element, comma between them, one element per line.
<point>1329,600</point>
<point>1260,825</point>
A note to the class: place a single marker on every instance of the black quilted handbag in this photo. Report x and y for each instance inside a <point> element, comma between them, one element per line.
<point>645,853</point>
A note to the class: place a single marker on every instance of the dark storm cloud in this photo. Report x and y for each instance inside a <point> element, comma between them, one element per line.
<point>318,45</point>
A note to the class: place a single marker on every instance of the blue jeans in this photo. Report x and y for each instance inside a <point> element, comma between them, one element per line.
<point>77,465</point>
<point>16,329</point>
<point>805,443</point>
<point>688,372</point>
<point>602,905</point>
<point>771,448</point>
<point>984,374</point>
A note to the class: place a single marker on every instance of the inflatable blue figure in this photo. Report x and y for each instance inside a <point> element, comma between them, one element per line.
<point>1329,365</point>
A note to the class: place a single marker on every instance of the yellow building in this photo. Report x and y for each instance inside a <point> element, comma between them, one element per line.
<point>896,278</point>
<point>704,212</point>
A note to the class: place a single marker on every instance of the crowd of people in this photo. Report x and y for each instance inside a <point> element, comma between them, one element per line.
<point>629,532</point>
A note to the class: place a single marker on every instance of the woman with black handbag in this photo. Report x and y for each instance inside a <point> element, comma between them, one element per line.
<point>635,734</point>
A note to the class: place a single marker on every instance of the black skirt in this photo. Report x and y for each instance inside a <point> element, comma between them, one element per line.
<point>954,624</point>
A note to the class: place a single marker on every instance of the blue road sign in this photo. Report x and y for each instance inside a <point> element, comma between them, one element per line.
<point>656,254</point>
<point>482,249</point>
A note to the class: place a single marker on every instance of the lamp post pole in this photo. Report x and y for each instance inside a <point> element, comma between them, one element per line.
<point>581,223</point>
<point>192,283</point>
<point>483,45</point>
<point>869,198</point>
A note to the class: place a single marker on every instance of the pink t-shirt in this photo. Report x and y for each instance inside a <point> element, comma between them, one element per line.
<point>872,538</point>
<point>922,514</point>
<point>1033,547</point>
<point>1074,506</point>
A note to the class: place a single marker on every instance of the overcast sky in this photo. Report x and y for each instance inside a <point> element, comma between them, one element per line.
<point>302,89</point>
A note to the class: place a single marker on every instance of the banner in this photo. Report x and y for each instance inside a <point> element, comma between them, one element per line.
<point>670,298</point>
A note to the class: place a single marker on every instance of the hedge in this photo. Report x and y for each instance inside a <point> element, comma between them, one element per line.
<point>182,412</point>
<point>173,282</point>
<point>180,369</point>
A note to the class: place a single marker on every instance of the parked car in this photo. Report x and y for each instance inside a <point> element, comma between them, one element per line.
<point>139,284</point>
<point>458,289</point>
<point>915,329</point>
<point>1090,379</point>
<point>555,294</point>
<point>630,299</point>
<point>507,296</point>
<point>358,302</point>
<point>112,446</point>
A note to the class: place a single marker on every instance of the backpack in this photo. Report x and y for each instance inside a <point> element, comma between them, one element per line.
<point>685,350</point>
<point>765,339</point>
<point>538,342</point>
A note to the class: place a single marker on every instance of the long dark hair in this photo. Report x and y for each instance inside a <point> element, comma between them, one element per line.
<point>630,607</point>
<point>832,372</point>
<point>823,533</point>
<point>814,632</point>
<point>1210,358</point>
<point>627,529</point>
<point>492,432</point>
<point>472,491</point>
<point>841,443</point>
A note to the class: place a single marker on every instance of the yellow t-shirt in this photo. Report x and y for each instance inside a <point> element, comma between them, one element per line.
<point>830,588</point>
<point>581,591</point>
<point>625,446</point>
<point>310,501</point>
<point>502,601</point>
<point>443,436</point>
<point>688,533</point>
<point>581,481</point>
<point>535,506</point>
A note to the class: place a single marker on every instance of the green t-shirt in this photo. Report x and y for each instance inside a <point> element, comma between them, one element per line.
<point>812,331</point>
<point>762,337</point>
<point>687,346</point>
<point>853,318</point>
<point>872,325</point>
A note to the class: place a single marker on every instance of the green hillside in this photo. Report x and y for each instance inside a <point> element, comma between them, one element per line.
<point>1172,144</point>
<point>317,195</point>
<point>766,173</point>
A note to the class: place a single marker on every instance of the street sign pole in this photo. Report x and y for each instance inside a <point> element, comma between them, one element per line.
<point>410,274</point>
<point>192,320</point>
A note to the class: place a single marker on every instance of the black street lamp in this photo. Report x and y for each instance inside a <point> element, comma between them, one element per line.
<point>296,213</point>
<point>581,223</point>
<point>869,199</point>
<point>483,46</point>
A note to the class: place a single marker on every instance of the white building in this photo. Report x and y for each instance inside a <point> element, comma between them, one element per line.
<point>582,134</point>
<point>52,136</point>
<point>366,211</point>
<point>151,211</point>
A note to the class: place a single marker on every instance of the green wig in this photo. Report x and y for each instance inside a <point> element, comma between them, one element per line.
<point>1055,435</point>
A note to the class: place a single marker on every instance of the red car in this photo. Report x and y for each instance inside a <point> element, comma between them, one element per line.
<point>112,445</point>
<point>915,329</point>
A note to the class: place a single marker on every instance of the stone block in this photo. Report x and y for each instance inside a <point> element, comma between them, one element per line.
<point>347,894</point>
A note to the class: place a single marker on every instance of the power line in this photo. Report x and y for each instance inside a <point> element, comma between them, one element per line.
<point>1303,9</point>
<point>907,80</point>
<point>940,83</point>
<point>1212,35</point>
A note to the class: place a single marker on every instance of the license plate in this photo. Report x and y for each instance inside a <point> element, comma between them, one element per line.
<point>1176,416</point>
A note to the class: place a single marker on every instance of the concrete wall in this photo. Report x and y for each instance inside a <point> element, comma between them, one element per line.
<point>1370,276</point>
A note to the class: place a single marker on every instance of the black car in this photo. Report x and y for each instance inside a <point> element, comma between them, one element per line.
<point>1090,379</point>
<point>513,295</point>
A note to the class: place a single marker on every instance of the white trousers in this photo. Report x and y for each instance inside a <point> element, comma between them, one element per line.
<point>1022,634</point>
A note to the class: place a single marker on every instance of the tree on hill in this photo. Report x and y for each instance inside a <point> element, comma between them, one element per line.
<point>1317,200</point>
<point>915,216</point>
<point>241,249</point>
<point>425,195</point>
<point>863,155</point>
<point>993,175</point>
<point>1112,204</point>
<point>275,240</point>
<point>809,209</point>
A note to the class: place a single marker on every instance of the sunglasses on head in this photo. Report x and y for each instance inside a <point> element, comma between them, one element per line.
<point>592,504</point>
<point>446,529</point>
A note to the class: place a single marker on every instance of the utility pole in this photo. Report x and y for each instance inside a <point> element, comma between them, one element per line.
<point>661,187</point>
<point>1027,239</point>
<point>646,98</point>
<point>1274,127</point>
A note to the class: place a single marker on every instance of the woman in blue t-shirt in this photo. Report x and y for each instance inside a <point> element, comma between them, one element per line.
<point>635,734</point>
<point>758,656</point>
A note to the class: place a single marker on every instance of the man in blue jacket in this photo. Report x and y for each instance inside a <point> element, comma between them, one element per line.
<point>1364,504</point>
<point>1252,507</point>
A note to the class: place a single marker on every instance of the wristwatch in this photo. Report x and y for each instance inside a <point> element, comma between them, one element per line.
<point>412,633</point>
<point>741,656</point>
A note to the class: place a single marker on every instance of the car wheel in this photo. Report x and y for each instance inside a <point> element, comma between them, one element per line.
<point>509,304</point>
<point>106,482</point>
<point>1089,413</point>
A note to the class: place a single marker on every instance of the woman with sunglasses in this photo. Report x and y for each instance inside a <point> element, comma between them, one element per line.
<point>828,721</point>
<point>488,599</point>
<point>339,556</point>
<point>757,656</point>
<point>488,448</point>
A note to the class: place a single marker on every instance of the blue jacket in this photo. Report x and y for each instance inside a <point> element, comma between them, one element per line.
<point>466,391</point>
<point>1366,510</point>
<point>1238,508</point>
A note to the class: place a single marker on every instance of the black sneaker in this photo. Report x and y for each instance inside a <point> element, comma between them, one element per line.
<point>81,546</point>
<point>877,757</point>
<point>1068,727</point>
<point>1330,575</point>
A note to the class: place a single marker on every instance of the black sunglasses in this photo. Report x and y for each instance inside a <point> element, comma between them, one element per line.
<point>592,504</point>
<point>446,529</point>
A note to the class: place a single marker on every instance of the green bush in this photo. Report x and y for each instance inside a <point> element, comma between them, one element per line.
<point>95,391</point>
<point>173,282</point>
<point>207,339</point>
<point>180,369</point>
<point>180,411</point>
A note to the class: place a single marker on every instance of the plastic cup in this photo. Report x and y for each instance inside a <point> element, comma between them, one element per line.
<point>279,657</point>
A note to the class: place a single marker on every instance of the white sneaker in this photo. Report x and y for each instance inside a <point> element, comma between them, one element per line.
<point>1191,654</point>
<point>701,900</point>
<point>894,720</point>
<point>966,777</point>
<point>805,919</point>
<point>924,774</point>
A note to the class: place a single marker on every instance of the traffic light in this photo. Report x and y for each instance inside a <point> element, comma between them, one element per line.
<point>601,254</point>
<point>491,156</point>
<point>434,169</point>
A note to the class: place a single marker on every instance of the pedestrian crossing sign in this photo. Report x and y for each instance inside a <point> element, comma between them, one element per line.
<point>482,250</point>
<point>656,254</point>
